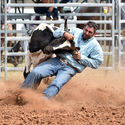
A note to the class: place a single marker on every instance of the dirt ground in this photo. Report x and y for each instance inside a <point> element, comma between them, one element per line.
<point>93,97</point>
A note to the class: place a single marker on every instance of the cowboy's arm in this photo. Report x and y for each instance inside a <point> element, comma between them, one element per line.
<point>94,60</point>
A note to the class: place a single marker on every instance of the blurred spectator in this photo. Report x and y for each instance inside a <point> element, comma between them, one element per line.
<point>61,8</point>
<point>9,26</point>
<point>66,1</point>
<point>51,12</point>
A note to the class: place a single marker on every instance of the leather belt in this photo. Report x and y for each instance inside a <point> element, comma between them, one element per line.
<point>66,62</point>
<point>63,60</point>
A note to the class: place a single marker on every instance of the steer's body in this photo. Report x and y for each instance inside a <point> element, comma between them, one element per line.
<point>40,37</point>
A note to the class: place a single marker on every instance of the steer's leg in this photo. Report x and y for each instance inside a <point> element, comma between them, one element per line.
<point>28,65</point>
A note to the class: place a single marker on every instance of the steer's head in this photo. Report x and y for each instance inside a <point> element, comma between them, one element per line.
<point>40,39</point>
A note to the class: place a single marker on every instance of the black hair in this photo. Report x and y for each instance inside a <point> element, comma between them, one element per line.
<point>92,24</point>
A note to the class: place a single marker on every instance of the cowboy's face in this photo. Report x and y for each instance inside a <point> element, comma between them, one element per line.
<point>88,32</point>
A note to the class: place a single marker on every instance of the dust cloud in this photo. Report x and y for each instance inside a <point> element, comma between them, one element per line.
<point>92,97</point>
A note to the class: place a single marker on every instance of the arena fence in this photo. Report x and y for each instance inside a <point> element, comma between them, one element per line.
<point>106,37</point>
<point>121,34</point>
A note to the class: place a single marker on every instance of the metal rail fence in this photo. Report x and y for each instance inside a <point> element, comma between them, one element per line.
<point>104,36</point>
<point>121,34</point>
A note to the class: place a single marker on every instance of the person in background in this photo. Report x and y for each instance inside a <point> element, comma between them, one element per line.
<point>51,12</point>
<point>61,9</point>
<point>66,65</point>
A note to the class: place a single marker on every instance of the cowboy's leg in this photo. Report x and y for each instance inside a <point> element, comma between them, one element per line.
<point>63,76</point>
<point>45,69</point>
<point>40,10</point>
<point>55,13</point>
<point>48,14</point>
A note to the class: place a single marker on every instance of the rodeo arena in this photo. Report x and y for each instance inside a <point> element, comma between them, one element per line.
<point>90,98</point>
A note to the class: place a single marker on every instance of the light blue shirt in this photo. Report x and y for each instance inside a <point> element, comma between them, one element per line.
<point>90,50</point>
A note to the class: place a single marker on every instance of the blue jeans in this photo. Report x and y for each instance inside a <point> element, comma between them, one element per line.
<point>50,67</point>
<point>44,10</point>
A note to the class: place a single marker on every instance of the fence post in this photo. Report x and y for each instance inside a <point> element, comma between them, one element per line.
<point>113,28</point>
<point>0,40</point>
<point>119,32</point>
<point>5,34</point>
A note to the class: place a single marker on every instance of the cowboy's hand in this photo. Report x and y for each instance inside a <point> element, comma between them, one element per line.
<point>68,36</point>
<point>77,55</point>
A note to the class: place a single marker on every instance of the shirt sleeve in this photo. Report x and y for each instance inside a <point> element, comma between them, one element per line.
<point>94,60</point>
<point>59,32</point>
